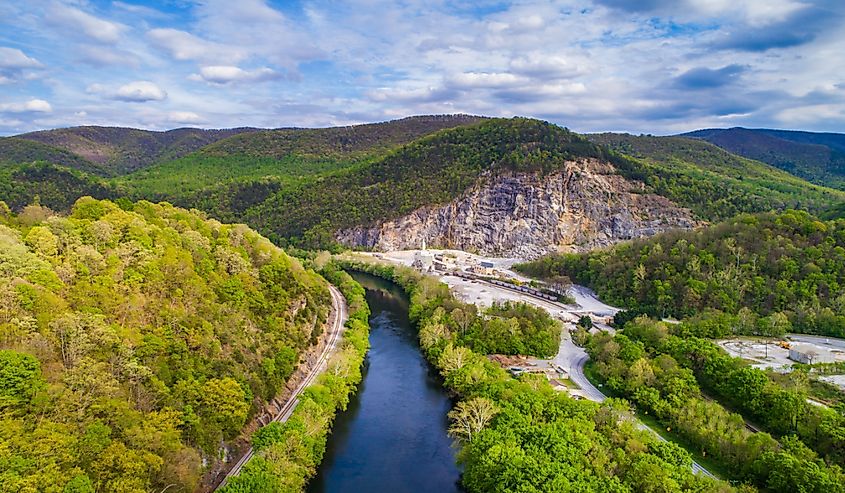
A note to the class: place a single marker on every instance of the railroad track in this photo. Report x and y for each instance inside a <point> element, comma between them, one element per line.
<point>340,315</point>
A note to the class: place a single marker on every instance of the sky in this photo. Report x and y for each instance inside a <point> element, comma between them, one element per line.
<point>644,66</point>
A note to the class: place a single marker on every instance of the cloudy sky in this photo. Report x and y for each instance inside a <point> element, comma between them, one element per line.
<point>653,66</point>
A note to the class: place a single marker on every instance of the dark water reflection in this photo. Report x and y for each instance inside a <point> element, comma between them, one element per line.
<point>392,438</point>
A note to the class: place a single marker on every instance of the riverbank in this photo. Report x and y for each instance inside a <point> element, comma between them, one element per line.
<point>393,435</point>
<point>287,454</point>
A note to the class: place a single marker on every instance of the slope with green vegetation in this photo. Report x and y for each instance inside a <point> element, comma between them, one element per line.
<point>661,374</point>
<point>122,150</point>
<point>280,156</point>
<point>712,182</point>
<point>50,185</point>
<point>136,341</point>
<point>817,157</point>
<point>431,170</point>
<point>16,151</point>
<point>790,263</point>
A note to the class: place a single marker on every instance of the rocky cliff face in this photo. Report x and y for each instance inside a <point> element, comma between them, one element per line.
<point>583,206</point>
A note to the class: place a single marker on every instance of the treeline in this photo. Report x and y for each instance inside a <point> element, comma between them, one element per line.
<point>790,263</point>
<point>521,435</point>
<point>507,328</point>
<point>663,374</point>
<point>287,454</point>
<point>136,341</point>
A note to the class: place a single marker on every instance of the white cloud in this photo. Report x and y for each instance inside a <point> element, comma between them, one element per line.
<point>75,21</point>
<point>224,74</point>
<point>755,12</point>
<point>13,58</point>
<point>475,80</point>
<point>139,92</point>
<point>31,106</point>
<point>185,46</point>
<point>184,117</point>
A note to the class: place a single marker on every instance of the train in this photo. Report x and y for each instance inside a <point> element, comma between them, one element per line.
<point>523,289</point>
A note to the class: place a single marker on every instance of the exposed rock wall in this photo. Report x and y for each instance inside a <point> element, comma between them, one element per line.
<point>583,206</point>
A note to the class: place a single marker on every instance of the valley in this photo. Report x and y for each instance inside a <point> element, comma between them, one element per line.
<point>694,245</point>
<point>307,246</point>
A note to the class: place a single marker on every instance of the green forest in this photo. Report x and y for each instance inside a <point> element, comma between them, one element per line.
<point>299,186</point>
<point>788,263</point>
<point>137,340</point>
<point>694,388</point>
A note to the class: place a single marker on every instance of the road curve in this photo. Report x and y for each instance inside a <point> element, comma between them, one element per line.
<point>339,313</point>
<point>594,394</point>
<point>574,358</point>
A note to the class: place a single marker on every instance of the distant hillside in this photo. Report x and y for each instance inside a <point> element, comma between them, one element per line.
<point>53,186</point>
<point>123,150</point>
<point>15,150</point>
<point>283,154</point>
<point>435,170</point>
<point>817,157</point>
<point>714,183</point>
<point>487,176</point>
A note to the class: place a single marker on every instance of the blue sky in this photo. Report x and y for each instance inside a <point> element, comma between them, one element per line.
<point>651,66</point>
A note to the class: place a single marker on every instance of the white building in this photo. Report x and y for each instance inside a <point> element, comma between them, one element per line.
<point>809,354</point>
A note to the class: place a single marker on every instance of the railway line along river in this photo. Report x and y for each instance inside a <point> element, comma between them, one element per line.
<point>392,437</point>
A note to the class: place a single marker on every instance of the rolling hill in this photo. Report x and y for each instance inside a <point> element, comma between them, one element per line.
<point>817,157</point>
<point>713,182</point>
<point>282,154</point>
<point>122,150</point>
<point>524,186</point>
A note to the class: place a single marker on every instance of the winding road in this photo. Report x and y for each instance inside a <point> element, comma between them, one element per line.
<point>576,374</point>
<point>339,315</point>
<point>573,358</point>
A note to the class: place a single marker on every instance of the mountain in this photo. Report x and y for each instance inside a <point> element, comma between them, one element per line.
<point>711,181</point>
<point>138,341</point>
<point>516,186</point>
<point>15,151</point>
<point>817,157</point>
<point>283,154</point>
<point>122,150</point>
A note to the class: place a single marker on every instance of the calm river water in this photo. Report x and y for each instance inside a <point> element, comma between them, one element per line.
<point>392,438</point>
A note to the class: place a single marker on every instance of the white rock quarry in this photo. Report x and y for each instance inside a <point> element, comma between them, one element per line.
<point>582,206</point>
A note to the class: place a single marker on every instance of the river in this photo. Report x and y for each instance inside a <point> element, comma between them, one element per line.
<point>392,437</point>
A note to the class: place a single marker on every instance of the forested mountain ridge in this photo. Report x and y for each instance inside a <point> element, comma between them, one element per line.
<point>135,341</point>
<point>817,157</point>
<point>120,150</point>
<point>788,263</point>
<point>281,155</point>
<point>15,151</point>
<point>312,187</point>
<point>713,182</point>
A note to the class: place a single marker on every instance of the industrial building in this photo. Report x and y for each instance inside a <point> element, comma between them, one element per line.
<point>809,354</point>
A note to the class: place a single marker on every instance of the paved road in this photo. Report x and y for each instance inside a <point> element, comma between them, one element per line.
<point>826,342</point>
<point>336,329</point>
<point>573,358</point>
<point>577,358</point>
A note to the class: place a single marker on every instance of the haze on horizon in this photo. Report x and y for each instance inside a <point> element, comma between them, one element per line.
<point>655,66</point>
